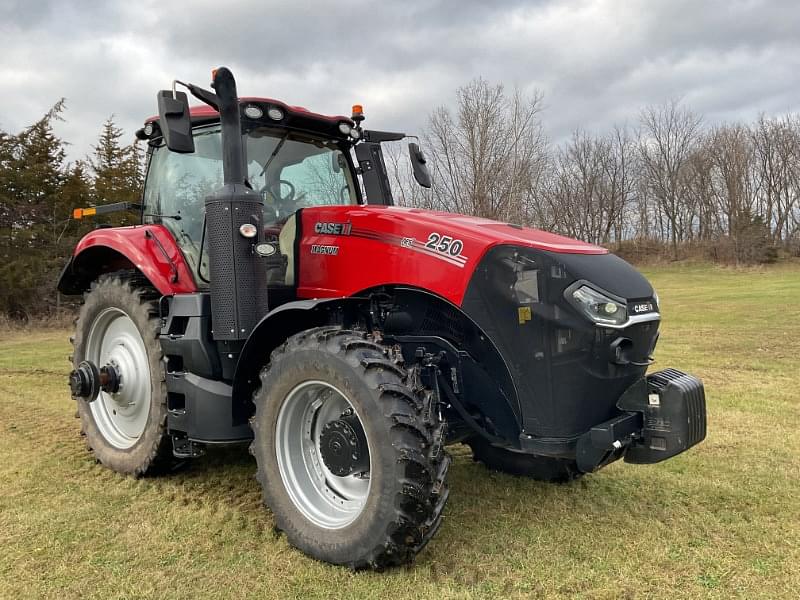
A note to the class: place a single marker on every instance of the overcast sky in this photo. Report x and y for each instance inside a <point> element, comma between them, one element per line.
<point>597,62</point>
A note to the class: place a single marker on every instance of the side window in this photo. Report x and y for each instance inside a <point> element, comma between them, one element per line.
<point>176,187</point>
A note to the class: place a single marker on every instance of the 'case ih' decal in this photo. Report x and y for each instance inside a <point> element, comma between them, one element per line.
<point>445,247</point>
<point>332,228</point>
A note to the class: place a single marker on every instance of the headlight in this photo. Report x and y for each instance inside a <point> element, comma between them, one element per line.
<point>275,113</point>
<point>598,307</point>
<point>251,111</point>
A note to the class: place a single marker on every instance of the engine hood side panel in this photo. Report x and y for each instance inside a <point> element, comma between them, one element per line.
<point>345,249</point>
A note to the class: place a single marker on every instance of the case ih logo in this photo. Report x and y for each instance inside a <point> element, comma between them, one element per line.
<point>643,307</point>
<point>329,250</point>
<point>333,228</point>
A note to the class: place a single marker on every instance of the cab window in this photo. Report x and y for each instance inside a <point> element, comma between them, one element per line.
<point>289,170</point>
<point>175,191</point>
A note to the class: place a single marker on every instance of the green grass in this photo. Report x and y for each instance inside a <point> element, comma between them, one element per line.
<point>721,520</point>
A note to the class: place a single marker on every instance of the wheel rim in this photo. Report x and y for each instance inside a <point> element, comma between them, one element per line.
<point>115,340</point>
<point>327,500</point>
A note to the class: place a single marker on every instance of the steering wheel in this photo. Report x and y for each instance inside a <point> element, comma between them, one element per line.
<point>272,188</point>
<point>284,205</point>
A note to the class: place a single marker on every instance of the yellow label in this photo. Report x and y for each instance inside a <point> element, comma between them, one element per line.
<point>524,314</point>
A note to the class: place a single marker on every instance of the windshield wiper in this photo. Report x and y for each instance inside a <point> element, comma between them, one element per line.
<point>274,154</point>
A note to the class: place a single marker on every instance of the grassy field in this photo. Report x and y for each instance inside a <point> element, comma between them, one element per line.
<point>721,520</point>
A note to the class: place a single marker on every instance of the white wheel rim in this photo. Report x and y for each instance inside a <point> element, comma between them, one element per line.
<point>325,499</point>
<point>120,417</point>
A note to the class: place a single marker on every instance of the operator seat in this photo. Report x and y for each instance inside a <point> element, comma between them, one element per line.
<point>286,240</point>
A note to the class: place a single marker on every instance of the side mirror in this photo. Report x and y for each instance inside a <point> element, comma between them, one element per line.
<point>176,126</point>
<point>419,164</point>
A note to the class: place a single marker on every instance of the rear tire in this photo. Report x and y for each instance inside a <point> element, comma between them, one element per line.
<point>126,431</point>
<point>376,518</point>
<point>540,468</point>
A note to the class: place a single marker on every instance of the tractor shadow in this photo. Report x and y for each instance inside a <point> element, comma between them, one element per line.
<point>491,517</point>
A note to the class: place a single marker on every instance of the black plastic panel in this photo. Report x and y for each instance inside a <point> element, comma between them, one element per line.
<point>186,336</point>
<point>206,412</point>
<point>238,278</point>
<point>560,362</point>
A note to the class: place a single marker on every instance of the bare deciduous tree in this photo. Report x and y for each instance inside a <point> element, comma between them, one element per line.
<point>590,186</point>
<point>486,159</point>
<point>777,151</point>
<point>668,134</point>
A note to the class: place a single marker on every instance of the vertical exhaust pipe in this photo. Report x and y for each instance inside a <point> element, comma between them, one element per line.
<point>238,280</point>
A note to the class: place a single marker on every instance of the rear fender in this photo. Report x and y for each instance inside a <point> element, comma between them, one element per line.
<point>150,249</point>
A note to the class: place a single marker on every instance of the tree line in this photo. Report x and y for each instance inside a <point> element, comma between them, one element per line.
<point>664,184</point>
<point>38,191</point>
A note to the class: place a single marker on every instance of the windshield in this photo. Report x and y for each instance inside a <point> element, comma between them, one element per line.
<point>289,170</point>
<point>292,172</point>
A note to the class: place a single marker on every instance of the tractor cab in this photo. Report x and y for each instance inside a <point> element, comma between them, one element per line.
<point>293,159</point>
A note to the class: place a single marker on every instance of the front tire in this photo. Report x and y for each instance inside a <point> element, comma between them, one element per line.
<point>379,502</point>
<point>118,324</point>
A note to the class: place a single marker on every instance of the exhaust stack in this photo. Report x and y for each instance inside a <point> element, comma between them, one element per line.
<point>238,281</point>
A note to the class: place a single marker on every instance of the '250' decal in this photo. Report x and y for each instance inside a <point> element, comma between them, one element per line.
<point>444,244</point>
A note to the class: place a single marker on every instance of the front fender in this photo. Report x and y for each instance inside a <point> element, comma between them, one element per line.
<point>279,324</point>
<point>151,249</point>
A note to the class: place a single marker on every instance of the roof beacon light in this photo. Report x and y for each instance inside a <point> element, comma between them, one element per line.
<point>358,114</point>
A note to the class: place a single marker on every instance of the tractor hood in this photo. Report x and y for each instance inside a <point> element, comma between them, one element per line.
<point>482,231</point>
<point>346,250</point>
<point>516,284</point>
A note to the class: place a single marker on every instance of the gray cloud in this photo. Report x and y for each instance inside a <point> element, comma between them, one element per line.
<point>597,62</point>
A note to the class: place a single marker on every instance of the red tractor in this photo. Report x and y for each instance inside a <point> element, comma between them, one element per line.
<point>272,295</point>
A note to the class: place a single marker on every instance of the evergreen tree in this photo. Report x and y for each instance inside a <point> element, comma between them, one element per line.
<point>117,171</point>
<point>32,175</point>
<point>76,192</point>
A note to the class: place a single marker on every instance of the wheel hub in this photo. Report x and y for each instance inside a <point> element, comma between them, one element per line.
<point>84,382</point>
<point>110,378</point>
<point>87,380</point>
<point>343,446</point>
